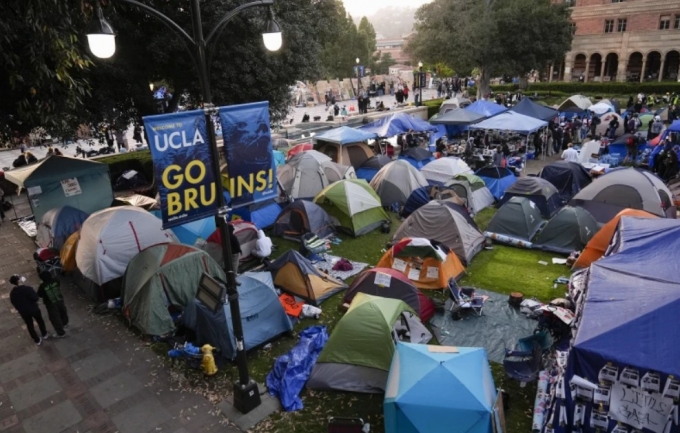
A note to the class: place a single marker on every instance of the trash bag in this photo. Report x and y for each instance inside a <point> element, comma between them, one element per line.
<point>291,371</point>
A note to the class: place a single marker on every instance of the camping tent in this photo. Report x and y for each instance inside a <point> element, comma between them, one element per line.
<point>354,204</point>
<point>111,237</point>
<point>395,182</point>
<point>67,255</point>
<point>579,101</point>
<point>590,152</point>
<point>146,203</point>
<point>263,214</point>
<point>424,195</point>
<point>601,108</point>
<point>64,181</point>
<point>417,157</point>
<point>395,124</point>
<point>569,230</point>
<point>190,232</point>
<point>511,121</point>
<point>301,217</point>
<point>262,316</point>
<point>625,188</point>
<point>309,172</point>
<point>279,158</point>
<point>299,148</point>
<point>644,121</point>
<point>457,116</point>
<point>245,232</point>
<point>358,353</point>
<point>529,108</point>
<point>485,108</point>
<point>428,264</point>
<point>432,388</point>
<point>477,194</point>
<point>442,170</point>
<point>389,283</point>
<point>57,225</point>
<point>540,191</point>
<point>497,179</point>
<point>345,145</point>
<point>453,103</point>
<point>519,218</point>
<point>372,165</point>
<point>447,223</point>
<point>161,277</point>
<point>604,124</point>
<point>568,177</point>
<point>618,146</point>
<point>296,275</point>
<point>598,244</point>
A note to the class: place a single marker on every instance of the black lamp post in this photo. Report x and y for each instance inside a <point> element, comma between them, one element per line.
<point>358,79</point>
<point>420,82</point>
<point>101,39</point>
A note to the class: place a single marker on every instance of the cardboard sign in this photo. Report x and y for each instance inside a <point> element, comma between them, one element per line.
<point>382,280</point>
<point>414,274</point>
<point>638,408</point>
<point>71,187</point>
<point>399,265</point>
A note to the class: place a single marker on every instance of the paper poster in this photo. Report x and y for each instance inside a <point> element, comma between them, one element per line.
<point>382,279</point>
<point>602,395</point>
<point>651,382</point>
<point>620,428</point>
<point>608,374</point>
<point>71,187</point>
<point>579,414</point>
<point>672,387</point>
<point>35,202</point>
<point>638,408</point>
<point>584,393</point>
<point>399,265</point>
<point>129,174</point>
<point>34,190</point>
<point>630,376</point>
<point>599,419</point>
<point>414,274</point>
<point>432,272</point>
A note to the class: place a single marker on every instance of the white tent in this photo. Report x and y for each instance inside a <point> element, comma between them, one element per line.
<point>601,108</point>
<point>511,121</point>
<point>445,169</point>
<point>590,148</point>
<point>579,101</point>
<point>111,237</point>
<point>453,103</point>
<point>604,124</point>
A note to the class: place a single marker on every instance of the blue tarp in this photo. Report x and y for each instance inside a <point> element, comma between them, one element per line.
<point>431,391</point>
<point>345,135</point>
<point>262,214</point>
<point>397,123</point>
<point>529,108</point>
<point>497,179</point>
<point>58,224</point>
<point>485,108</point>
<point>291,371</point>
<point>511,121</point>
<point>190,232</point>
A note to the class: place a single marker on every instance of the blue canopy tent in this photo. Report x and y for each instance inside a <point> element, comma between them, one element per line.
<point>511,121</point>
<point>432,389</point>
<point>189,233</point>
<point>459,116</point>
<point>529,108</point>
<point>395,124</point>
<point>485,108</point>
<point>497,179</point>
<point>345,135</point>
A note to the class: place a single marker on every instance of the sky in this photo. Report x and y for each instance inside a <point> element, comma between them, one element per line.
<point>368,7</point>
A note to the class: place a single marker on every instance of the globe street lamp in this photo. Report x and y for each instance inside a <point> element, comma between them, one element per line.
<point>358,82</point>
<point>151,86</point>
<point>420,82</point>
<point>102,42</point>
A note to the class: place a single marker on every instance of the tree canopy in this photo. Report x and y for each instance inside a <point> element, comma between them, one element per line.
<point>503,37</point>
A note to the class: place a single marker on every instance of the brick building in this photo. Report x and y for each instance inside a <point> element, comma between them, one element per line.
<point>623,40</point>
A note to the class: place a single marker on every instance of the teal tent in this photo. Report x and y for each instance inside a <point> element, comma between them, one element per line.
<point>64,181</point>
<point>438,389</point>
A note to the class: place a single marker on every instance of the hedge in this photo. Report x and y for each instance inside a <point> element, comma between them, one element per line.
<point>433,106</point>
<point>139,161</point>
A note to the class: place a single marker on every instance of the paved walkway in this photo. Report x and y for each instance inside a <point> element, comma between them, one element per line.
<point>101,378</point>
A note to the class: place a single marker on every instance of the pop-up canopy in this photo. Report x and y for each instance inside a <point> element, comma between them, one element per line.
<point>397,123</point>
<point>511,121</point>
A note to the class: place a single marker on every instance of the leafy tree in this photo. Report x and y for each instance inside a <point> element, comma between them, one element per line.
<point>383,61</point>
<point>512,36</point>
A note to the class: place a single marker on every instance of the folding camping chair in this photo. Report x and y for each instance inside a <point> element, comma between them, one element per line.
<point>465,298</point>
<point>524,361</point>
<point>47,259</point>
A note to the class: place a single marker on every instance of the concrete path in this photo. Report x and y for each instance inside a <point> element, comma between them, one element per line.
<point>101,378</point>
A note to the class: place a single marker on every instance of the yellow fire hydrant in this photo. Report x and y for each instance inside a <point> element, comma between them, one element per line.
<point>208,363</point>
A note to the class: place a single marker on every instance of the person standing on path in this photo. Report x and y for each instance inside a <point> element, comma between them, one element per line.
<point>51,295</point>
<point>120,139</point>
<point>235,249</point>
<point>25,300</point>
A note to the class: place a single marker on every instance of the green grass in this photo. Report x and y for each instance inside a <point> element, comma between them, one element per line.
<point>141,155</point>
<point>503,269</point>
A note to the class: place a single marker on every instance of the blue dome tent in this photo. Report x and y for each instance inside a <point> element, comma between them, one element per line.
<point>57,224</point>
<point>529,108</point>
<point>417,157</point>
<point>397,123</point>
<point>497,179</point>
<point>432,389</point>
<point>189,233</point>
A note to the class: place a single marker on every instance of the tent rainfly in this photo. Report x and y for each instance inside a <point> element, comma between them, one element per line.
<point>395,182</point>
<point>518,219</point>
<point>442,170</point>
<point>354,204</point>
<point>569,230</point>
<point>397,123</point>
<point>538,190</point>
<point>529,108</point>
<point>511,121</point>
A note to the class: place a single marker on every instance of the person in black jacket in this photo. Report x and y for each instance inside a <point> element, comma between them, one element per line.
<point>25,301</point>
<point>50,293</point>
<point>235,248</point>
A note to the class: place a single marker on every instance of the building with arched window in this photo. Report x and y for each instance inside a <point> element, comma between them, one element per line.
<point>622,40</point>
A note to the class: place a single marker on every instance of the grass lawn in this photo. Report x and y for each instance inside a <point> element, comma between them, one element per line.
<point>503,269</point>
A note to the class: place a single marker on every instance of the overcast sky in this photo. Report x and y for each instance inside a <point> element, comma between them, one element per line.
<point>358,8</point>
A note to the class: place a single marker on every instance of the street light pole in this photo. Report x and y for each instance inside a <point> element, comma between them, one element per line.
<point>420,82</point>
<point>102,44</point>
<point>358,80</point>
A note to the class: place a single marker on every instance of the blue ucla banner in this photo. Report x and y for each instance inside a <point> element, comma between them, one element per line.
<point>180,148</point>
<point>250,158</point>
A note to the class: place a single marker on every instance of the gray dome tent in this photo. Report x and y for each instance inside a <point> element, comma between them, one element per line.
<point>625,188</point>
<point>540,191</point>
<point>447,223</point>
<point>569,230</point>
<point>301,217</point>
<point>307,173</point>
<point>519,218</point>
<point>395,182</point>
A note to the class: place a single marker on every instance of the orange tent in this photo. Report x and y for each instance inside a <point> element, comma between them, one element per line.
<point>428,266</point>
<point>597,246</point>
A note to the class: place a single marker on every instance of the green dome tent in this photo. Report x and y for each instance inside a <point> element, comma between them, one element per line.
<point>354,203</point>
<point>359,353</point>
<point>569,230</point>
<point>160,277</point>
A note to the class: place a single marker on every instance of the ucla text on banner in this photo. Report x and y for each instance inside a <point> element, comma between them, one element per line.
<point>183,166</point>
<point>250,158</point>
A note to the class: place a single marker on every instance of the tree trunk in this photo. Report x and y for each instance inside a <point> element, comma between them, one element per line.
<point>483,84</point>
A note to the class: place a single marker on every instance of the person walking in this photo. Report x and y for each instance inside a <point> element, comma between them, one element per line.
<point>120,139</point>
<point>108,134</point>
<point>235,249</point>
<point>25,301</point>
<point>50,292</point>
<point>137,134</point>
